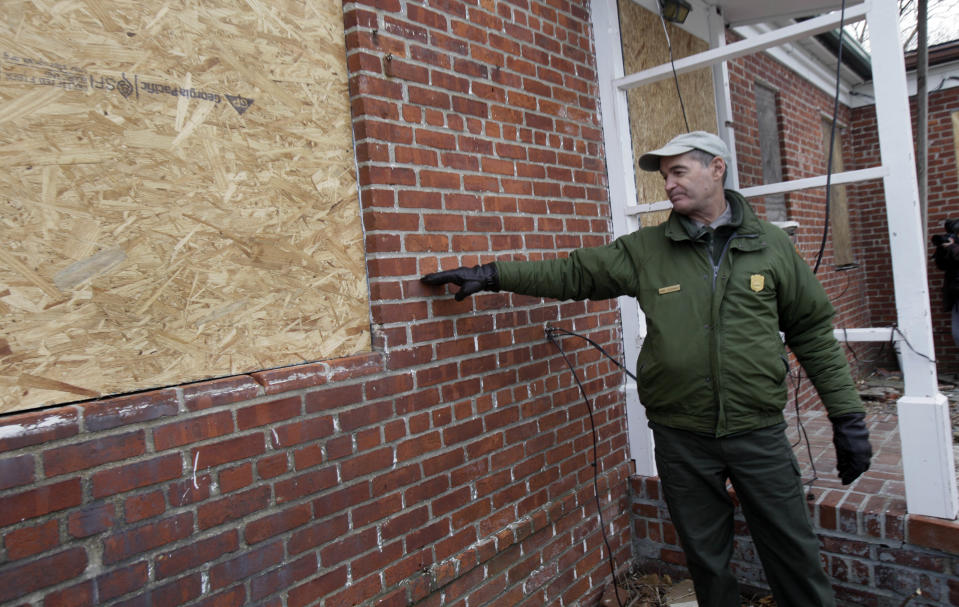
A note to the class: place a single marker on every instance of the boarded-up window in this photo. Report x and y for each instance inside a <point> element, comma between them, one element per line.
<point>838,205</point>
<point>770,150</point>
<point>655,113</point>
<point>178,195</point>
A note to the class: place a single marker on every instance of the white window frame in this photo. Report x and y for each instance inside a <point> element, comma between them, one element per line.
<point>924,424</point>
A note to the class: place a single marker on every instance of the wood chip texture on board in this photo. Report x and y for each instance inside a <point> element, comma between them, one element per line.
<point>178,196</point>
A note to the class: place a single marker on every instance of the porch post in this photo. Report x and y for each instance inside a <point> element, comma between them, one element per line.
<point>620,171</point>
<point>724,104</point>
<point>924,425</point>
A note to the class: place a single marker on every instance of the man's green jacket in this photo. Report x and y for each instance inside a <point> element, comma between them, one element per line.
<point>713,360</point>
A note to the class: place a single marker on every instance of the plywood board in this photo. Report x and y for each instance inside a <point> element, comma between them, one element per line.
<point>655,113</point>
<point>178,195</point>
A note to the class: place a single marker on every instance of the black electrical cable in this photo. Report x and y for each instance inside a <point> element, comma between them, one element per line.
<point>801,434</point>
<point>551,328</point>
<point>669,45</point>
<point>832,136</point>
<point>551,336</point>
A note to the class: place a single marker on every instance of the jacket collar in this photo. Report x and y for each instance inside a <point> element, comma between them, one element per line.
<point>744,220</point>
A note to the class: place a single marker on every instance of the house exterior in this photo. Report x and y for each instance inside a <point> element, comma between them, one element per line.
<point>453,463</point>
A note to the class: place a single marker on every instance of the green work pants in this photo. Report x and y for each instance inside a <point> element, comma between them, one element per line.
<point>762,468</point>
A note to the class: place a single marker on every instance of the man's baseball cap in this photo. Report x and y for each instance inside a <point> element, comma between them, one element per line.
<point>687,142</point>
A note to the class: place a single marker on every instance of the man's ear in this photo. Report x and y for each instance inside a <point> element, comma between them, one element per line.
<point>717,167</point>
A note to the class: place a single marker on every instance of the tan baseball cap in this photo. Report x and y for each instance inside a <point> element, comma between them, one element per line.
<point>687,142</point>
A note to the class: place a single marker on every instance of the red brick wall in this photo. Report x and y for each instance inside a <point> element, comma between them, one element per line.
<point>452,463</point>
<point>801,109</point>
<point>943,202</point>
<point>874,553</point>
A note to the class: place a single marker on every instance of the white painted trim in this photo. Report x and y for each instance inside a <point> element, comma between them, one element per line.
<point>874,334</point>
<point>940,77</point>
<point>928,468</point>
<point>927,454</point>
<point>748,46</point>
<point>622,191</point>
<point>638,209</point>
<point>723,97</point>
<point>818,181</point>
<point>794,185</point>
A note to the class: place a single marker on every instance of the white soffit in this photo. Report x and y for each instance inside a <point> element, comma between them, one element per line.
<point>745,12</point>
<point>740,12</point>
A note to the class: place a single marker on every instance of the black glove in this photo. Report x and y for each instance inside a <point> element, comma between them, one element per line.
<point>853,451</point>
<point>472,280</point>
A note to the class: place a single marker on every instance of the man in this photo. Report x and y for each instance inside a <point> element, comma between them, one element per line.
<point>717,286</point>
<point>946,257</point>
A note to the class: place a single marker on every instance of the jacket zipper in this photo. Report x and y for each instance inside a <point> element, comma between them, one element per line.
<point>714,357</point>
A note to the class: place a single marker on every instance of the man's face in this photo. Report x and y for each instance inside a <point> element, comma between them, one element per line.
<point>695,190</point>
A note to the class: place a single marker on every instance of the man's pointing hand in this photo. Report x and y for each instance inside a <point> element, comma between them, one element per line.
<point>471,280</point>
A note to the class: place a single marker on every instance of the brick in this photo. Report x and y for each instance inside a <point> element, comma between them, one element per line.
<point>395,479</point>
<point>140,507</point>
<point>277,523</point>
<point>178,592</point>
<point>192,430</point>
<point>25,429</point>
<point>80,595</point>
<point>219,392</point>
<point>249,563</point>
<point>16,471</point>
<point>305,484</point>
<point>267,413</point>
<point>302,430</point>
<point>333,398</point>
<point>122,580</point>
<point>365,415</point>
<point>283,577</point>
<point>417,446</point>
<point>236,477</point>
<point>366,464</point>
<point>345,549</point>
<point>189,490</point>
<point>382,508</point>
<point>272,466</point>
<point>232,507</point>
<point>358,592</point>
<point>22,579</point>
<point>129,542</point>
<point>196,554</point>
<point>231,450</point>
<point>125,410</point>
<point>318,534</point>
<point>228,598</point>
<point>91,519</point>
<point>90,454</point>
<point>306,594</point>
<point>40,501</point>
<point>285,379</point>
<point>29,541</point>
<point>935,533</point>
<point>136,475</point>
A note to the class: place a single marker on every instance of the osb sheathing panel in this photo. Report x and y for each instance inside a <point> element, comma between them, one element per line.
<point>178,194</point>
<point>655,114</point>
